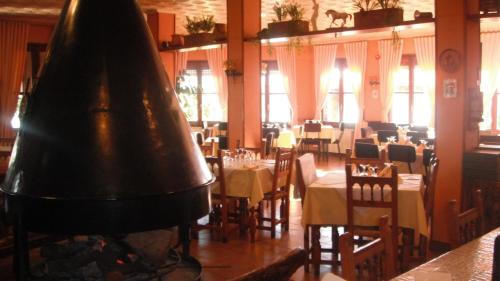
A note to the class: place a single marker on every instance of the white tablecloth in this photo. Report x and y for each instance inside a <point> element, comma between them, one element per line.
<point>326,203</point>
<point>248,179</point>
<point>286,139</point>
<point>331,133</point>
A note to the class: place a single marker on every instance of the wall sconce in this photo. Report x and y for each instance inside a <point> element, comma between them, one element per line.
<point>230,69</point>
<point>374,83</point>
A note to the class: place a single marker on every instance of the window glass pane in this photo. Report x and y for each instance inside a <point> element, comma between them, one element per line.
<point>279,110</point>
<point>208,82</point>
<point>276,82</point>
<point>350,108</point>
<point>189,102</point>
<point>211,107</point>
<point>263,96</point>
<point>498,111</point>
<point>400,111</point>
<point>335,82</point>
<point>349,78</point>
<point>279,105</point>
<point>331,110</point>
<point>421,103</point>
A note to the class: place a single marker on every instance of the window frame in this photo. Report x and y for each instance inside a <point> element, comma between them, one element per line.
<point>341,64</point>
<point>267,67</point>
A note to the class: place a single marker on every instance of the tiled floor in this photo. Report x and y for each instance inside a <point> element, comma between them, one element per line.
<point>222,261</point>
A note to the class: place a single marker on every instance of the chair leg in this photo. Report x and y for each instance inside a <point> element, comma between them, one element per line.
<point>224,222</point>
<point>335,248</point>
<point>306,247</point>
<point>287,212</point>
<point>409,168</point>
<point>338,149</point>
<point>273,218</point>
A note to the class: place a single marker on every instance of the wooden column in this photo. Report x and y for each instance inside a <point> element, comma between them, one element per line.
<point>455,134</point>
<point>244,112</point>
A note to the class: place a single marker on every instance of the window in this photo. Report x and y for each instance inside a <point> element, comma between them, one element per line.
<point>203,103</point>
<point>491,121</point>
<point>340,104</point>
<point>410,104</point>
<point>274,99</point>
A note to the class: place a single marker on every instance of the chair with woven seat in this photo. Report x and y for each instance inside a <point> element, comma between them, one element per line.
<point>280,192</point>
<point>372,192</point>
<point>373,261</point>
<point>306,175</point>
<point>382,135</point>
<point>402,153</point>
<point>218,218</point>
<point>468,225</point>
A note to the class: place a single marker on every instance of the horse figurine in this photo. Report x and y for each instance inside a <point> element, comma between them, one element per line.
<point>338,16</point>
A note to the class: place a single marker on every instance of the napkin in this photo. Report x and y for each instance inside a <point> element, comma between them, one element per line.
<point>385,173</point>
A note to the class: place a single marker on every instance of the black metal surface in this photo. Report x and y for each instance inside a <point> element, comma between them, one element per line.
<point>103,145</point>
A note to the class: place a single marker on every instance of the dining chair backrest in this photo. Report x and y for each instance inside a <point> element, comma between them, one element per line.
<point>375,260</point>
<point>430,192</point>
<point>283,169</point>
<point>422,129</point>
<point>216,166</point>
<point>207,148</point>
<point>199,138</point>
<point>306,173</point>
<point>365,140</point>
<point>382,135</point>
<point>372,192</point>
<point>466,226</point>
<point>366,150</point>
<point>416,136</point>
<point>402,153</point>
<point>274,130</point>
<point>356,161</point>
<point>312,130</point>
<point>377,126</point>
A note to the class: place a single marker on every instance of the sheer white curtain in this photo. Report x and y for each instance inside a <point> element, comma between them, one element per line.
<point>324,60</point>
<point>180,65</point>
<point>355,54</point>
<point>490,73</point>
<point>390,59</point>
<point>425,52</point>
<point>285,58</point>
<point>216,58</point>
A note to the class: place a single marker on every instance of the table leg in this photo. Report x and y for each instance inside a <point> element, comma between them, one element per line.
<point>408,242</point>
<point>243,216</point>
<point>316,248</point>
<point>252,224</point>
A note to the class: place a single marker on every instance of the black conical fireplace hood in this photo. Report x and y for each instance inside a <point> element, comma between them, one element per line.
<point>103,145</point>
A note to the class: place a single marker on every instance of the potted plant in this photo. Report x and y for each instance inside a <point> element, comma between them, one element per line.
<point>199,30</point>
<point>376,13</point>
<point>294,26</point>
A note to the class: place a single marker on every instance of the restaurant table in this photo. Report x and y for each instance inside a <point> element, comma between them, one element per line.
<point>330,133</point>
<point>471,261</point>
<point>286,139</point>
<point>325,203</point>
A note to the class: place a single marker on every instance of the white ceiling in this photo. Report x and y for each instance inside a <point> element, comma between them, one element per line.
<point>211,7</point>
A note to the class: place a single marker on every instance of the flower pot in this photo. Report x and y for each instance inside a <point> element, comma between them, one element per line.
<point>198,39</point>
<point>219,31</point>
<point>177,40</point>
<point>287,28</point>
<point>378,18</point>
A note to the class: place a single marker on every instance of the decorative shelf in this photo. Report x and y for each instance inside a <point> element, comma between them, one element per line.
<point>194,47</point>
<point>352,30</point>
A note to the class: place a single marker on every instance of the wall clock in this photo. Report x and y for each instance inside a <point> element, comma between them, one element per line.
<point>450,60</point>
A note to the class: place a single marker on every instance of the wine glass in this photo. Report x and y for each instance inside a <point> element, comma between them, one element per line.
<point>424,142</point>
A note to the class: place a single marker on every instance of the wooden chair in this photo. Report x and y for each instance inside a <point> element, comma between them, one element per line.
<point>373,261</point>
<point>373,192</point>
<point>417,136</point>
<point>421,129</point>
<point>382,135</point>
<point>280,270</point>
<point>337,141</point>
<point>218,217</point>
<point>366,150</point>
<point>402,153</point>
<point>466,226</point>
<point>365,140</point>
<point>495,275</point>
<point>306,175</point>
<point>280,191</point>
<point>311,137</point>
<point>207,148</point>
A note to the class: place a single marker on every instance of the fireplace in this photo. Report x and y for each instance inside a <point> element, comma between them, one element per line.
<point>103,147</point>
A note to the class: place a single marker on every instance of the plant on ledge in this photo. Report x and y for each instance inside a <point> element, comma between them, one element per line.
<point>376,13</point>
<point>199,30</point>
<point>282,27</point>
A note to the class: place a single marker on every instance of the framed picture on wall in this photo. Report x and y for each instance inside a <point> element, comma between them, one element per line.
<point>450,88</point>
